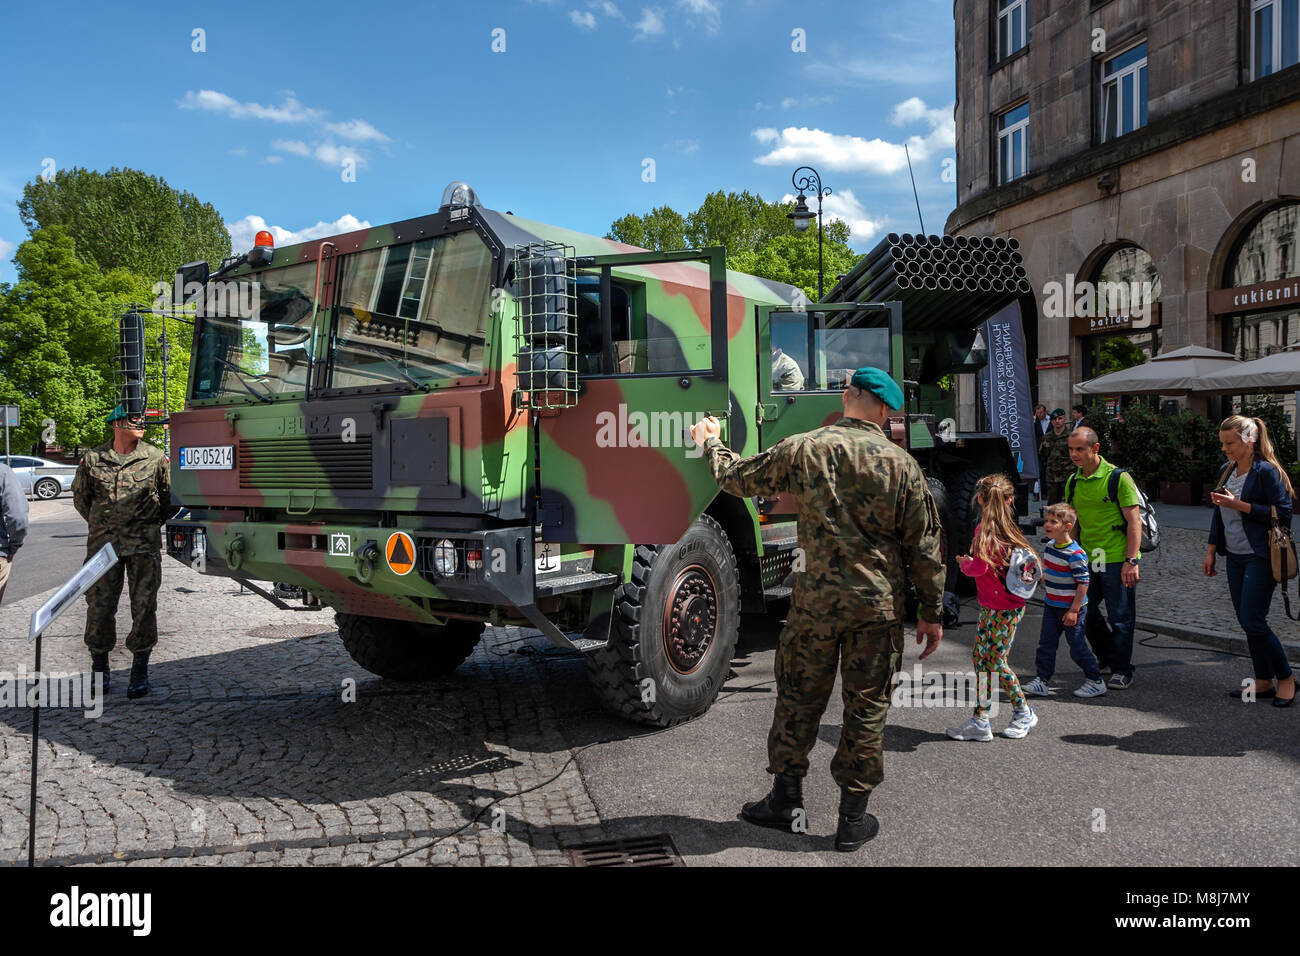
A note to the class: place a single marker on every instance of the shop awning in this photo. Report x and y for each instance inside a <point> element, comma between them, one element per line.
<point>1170,373</point>
<point>1279,372</point>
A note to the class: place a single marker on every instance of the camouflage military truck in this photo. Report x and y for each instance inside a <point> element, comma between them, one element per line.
<point>472,418</point>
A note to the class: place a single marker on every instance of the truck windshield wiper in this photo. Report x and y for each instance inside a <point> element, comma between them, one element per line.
<point>260,396</point>
<point>423,386</point>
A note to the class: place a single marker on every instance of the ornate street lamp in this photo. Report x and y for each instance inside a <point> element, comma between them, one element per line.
<point>801,214</point>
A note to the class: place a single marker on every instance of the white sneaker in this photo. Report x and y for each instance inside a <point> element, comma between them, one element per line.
<point>1091,688</point>
<point>972,730</point>
<point>1036,688</point>
<point>1021,721</point>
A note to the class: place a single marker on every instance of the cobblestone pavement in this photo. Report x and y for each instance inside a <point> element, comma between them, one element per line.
<point>246,751</point>
<point>1174,589</point>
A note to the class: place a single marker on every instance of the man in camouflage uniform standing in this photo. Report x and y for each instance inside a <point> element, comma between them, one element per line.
<point>1054,454</point>
<point>123,490</point>
<point>866,525</point>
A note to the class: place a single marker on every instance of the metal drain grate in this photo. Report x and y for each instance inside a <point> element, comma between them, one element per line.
<point>655,850</point>
<point>283,632</point>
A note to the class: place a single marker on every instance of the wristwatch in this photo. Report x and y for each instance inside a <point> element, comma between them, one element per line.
<point>1133,561</point>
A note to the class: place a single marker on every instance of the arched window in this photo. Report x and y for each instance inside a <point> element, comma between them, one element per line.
<point>1266,253</point>
<point>1127,283</point>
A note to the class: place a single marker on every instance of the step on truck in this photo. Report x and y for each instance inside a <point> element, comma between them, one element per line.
<point>470,418</point>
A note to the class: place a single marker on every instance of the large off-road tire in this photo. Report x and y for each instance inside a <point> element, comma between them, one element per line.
<point>403,650</point>
<point>965,515</point>
<point>674,630</point>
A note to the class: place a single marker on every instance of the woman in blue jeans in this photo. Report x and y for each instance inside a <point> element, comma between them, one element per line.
<point>1248,493</point>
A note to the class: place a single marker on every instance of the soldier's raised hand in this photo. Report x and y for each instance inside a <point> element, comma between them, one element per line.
<point>705,429</point>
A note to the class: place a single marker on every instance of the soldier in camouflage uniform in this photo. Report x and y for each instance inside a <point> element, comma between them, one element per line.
<point>1054,454</point>
<point>867,524</point>
<point>123,490</point>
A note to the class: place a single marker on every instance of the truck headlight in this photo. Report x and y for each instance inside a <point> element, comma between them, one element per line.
<point>444,558</point>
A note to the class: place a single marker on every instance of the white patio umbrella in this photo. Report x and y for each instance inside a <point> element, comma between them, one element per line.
<point>1169,373</point>
<point>1279,372</point>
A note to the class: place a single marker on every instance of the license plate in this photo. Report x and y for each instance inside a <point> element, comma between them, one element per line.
<point>207,457</point>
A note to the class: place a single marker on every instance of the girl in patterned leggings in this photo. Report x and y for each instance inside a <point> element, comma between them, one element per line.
<point>996,537</point>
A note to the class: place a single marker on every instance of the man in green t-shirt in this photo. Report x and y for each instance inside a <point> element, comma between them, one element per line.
<point>1111,533</point>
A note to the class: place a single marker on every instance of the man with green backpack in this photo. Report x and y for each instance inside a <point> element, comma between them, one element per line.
<point>1112,513</point>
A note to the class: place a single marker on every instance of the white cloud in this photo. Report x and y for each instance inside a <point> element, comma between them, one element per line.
<point>923,69</point>
<point>608,9</point>
<point>273,160</point>
<point>583,20</point>
<point>796,145</point>
<point>704,12</point>
<point>806,101</point>
<point>243,231</point>
<point>845,207</point>
<point>238,151</point>
<point>651,23</point>
<point>356,131</point>
<point>332,154</point>
<point>295,146</point>
<point>6,248</point>
<point>290,111</point>
<point>686,146</point>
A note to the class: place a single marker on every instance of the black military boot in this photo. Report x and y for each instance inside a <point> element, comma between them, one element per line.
<point>781,808</point>
<point>138,685</point>
<point>856,825</point>
<point>99,665</point>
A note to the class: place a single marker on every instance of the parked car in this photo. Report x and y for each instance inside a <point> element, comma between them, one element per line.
<point>41,477</point>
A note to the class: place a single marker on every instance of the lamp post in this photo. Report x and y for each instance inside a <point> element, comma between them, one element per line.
<point>801,214</point>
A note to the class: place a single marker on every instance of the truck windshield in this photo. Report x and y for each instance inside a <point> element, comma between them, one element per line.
<point>412,314</point>
<point>255,335</point>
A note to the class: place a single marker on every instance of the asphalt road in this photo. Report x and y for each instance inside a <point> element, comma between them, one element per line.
<point>1170,771</point>
<point>54,549</point>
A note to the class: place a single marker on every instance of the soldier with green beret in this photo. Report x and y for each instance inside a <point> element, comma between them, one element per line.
<point>1054,454</point>
<point>867,525</point>
<point>123,490</point>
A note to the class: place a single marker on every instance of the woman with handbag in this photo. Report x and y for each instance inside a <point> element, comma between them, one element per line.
<point>1252,526</point>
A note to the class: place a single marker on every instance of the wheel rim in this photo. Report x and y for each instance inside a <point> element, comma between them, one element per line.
<point>690,619</point>
<point>46,490</point>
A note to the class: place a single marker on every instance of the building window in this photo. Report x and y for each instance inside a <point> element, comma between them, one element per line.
<point>1274,36</point>
<point>1124,93</point>
<point>1013,143</point>
<point>1013,27</point>
<point>1266,254</point>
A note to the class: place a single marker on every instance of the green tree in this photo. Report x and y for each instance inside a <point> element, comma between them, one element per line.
<point>126,219</point>
<point>1118,353</point>
<point>58,339</point>
<point>759,236</point>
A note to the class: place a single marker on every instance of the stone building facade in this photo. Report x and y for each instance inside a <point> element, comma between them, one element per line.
<point>1130,142</point>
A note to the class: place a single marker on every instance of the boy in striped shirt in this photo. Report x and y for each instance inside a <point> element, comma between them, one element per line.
<point>1065,606</point>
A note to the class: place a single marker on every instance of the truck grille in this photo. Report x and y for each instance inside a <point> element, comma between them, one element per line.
<point>306,461</point>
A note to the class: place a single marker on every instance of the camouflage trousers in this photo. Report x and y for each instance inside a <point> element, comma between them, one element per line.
<point>810,650</point>
<point>145,574</point>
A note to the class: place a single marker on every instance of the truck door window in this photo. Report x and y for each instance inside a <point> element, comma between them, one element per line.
<point>590,337</point>
<point>836,352</point>
<point>413,313</point>
<point>789,352</point>
<point>643,343</point>
<point>258,341</point>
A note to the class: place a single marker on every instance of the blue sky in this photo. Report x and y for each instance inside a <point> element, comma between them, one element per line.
<point>556,126</point>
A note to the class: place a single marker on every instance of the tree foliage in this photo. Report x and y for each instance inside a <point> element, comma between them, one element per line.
<point>126,219</point>
<point>759,236</point>
<point>58,339</point>
<point>1118,353</point>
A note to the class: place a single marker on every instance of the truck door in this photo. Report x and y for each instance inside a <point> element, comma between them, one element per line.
<point>617,464</point>
<point>825,343</point>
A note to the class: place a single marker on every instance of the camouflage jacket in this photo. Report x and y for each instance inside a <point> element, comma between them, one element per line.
<point>124,498</point>
<point>867,523</point>
<point>1055,457</point>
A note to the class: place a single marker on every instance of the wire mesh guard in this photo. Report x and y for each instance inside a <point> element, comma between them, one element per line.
<point>546,336</point>
<point>132,388</point>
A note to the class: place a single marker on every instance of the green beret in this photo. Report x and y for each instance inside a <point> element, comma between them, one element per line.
<point>1057,412</point>
<point>116,414</point>
<point>878,384</point>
